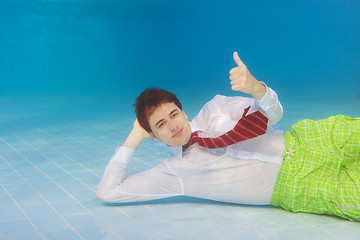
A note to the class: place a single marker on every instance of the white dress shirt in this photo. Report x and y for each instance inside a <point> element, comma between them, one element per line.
<point>245,172</point>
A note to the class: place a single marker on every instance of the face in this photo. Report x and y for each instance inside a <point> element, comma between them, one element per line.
<point>169,124</point>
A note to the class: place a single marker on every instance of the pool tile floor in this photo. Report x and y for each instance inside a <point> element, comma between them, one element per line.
<point>53,151</point>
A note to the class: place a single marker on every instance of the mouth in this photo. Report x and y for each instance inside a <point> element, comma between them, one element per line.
<point>178,133</point>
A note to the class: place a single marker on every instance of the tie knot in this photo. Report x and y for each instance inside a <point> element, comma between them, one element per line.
<point>192,140</point>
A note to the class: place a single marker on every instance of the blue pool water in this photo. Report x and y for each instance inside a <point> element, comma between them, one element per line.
<point>70,70</point>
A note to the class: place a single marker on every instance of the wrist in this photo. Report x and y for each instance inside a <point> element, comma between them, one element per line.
<point>259,91</point>
<point>133,140</point>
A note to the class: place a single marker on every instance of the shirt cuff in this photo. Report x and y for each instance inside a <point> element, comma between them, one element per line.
<point>123,154</point>
<point>268,99</point>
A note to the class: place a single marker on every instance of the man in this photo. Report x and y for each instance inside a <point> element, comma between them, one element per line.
<point>313,169</point>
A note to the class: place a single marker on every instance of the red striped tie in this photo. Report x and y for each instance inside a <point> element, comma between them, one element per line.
<point>250,126</point>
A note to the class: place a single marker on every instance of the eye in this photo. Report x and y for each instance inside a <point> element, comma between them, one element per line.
<point>161,124</point>
<point>175,114</point>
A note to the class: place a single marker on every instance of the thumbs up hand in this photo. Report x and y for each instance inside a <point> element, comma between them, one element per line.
<point>243,81</point>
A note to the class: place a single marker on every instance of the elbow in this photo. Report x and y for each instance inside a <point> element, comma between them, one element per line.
<point>275,116</point>
<point>277,119</point>
<point>102,195</point>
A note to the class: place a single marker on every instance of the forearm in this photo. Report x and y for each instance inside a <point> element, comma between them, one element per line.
<point>115,173</point>
<point>155,183</point>
<point>133,140</point>
<point>259,90</point>
<point>136,136</point>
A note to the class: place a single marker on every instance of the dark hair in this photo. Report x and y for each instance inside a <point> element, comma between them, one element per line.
<point>149,100</point>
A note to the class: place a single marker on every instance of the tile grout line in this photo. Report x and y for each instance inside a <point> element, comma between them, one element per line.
<point>344,221</point>
<point>70,158</point>
<point>68,192</point>
<point>292,216</point>
<point>200,220</point>
<point>65,154</point>
<point>22,211</point>
<point>314,226</point>
<point>169,221</point>
<point>56,164</point>
<point>59,187</point>
<point>93,190</point>
<point>269,221</point>
<point>136,222</point>
<point>162,216</point>
<point>42,197</point>
<point>230,218</point>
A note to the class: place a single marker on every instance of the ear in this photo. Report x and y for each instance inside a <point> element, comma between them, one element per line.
<point>185,114</point>
<point>153,136</point>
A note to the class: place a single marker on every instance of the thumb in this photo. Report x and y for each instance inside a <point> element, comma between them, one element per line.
<point>237,60</point>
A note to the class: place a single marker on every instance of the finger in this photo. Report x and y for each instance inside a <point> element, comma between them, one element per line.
<point>237,60</point>
<point>235,83</point>
<point>234,70</point>
<point>234,76</point>
<point>235,88</point>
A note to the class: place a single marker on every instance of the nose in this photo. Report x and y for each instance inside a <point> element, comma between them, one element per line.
<point>173,126</point>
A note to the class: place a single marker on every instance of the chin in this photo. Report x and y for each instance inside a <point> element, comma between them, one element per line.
<point>178,143</point>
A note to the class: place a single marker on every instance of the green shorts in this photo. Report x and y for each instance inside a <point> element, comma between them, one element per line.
<point>321,168</point>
